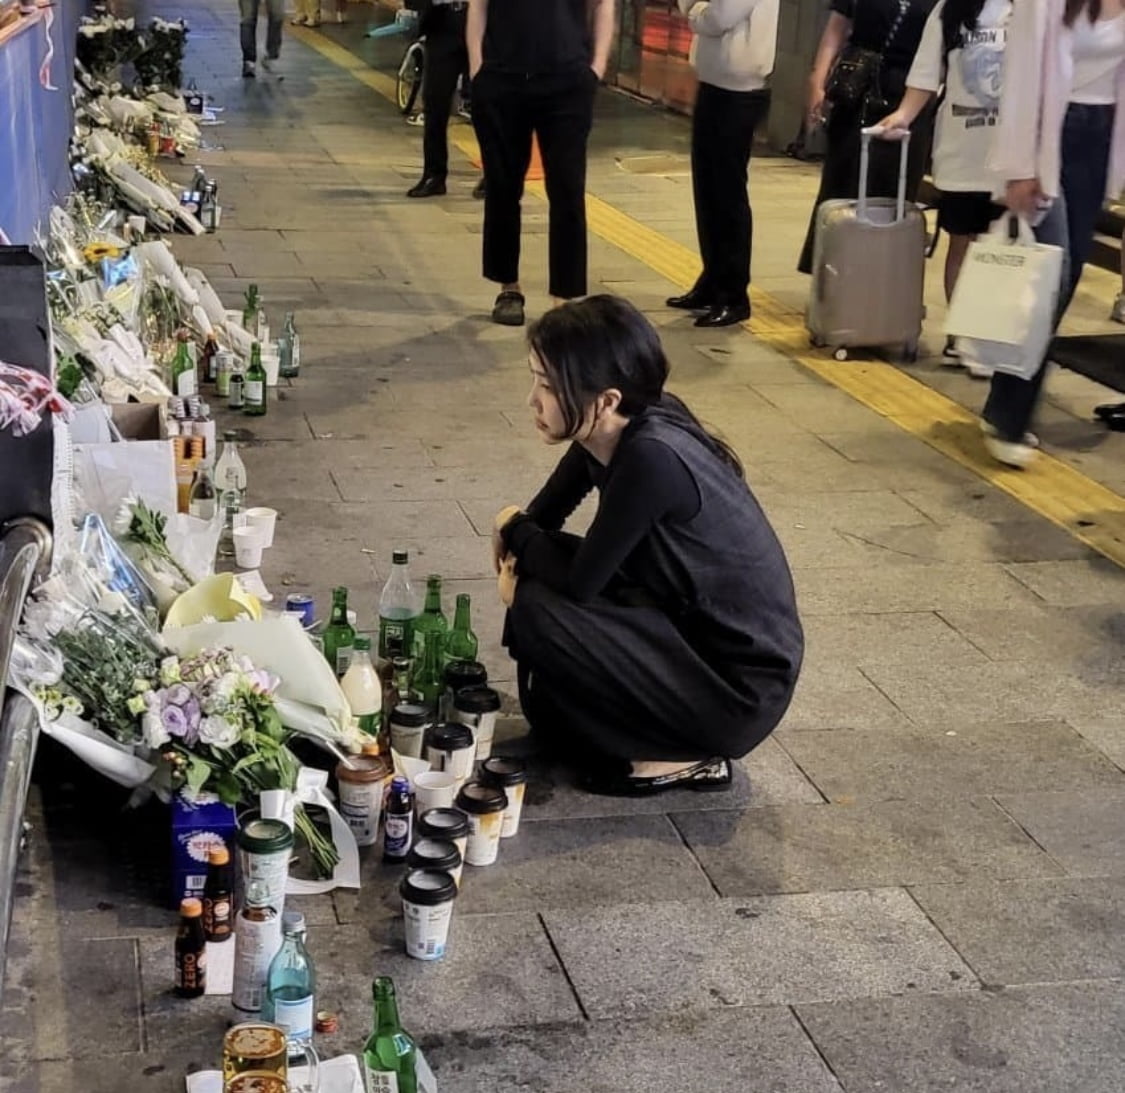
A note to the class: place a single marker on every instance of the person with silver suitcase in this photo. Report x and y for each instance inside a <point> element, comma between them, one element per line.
<point>868,268</point>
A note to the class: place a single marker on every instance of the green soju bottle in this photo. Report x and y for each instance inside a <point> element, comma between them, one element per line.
<point>432,620</point>
<point>461,644</point>
<point>339,634</point>
<point>254,386</point>
<point>429,676</point>
<point>389,1054</point>
<point>183,368</point>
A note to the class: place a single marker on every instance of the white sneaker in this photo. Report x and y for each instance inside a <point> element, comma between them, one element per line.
<point>1118,312</point>
<point>1011,453</point>
<point>977,370</point>
<point>299,20</point>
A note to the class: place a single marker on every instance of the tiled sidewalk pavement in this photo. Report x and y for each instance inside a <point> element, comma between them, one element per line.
<point>918,889</point>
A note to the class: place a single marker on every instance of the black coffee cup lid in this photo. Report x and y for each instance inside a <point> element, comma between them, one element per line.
<point>481,799</point>
<point>449,736</point>
<point>465,673</point>
<point>410,715</point>
<point>434,854</point>
<point>477,700</point>
<point>502,771</point>
<point>443,823</point>
<point>428,887</point>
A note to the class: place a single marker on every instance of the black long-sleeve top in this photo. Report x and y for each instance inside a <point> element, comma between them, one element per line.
<point>677,523</point>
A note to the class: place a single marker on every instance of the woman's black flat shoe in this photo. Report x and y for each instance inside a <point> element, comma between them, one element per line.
<point>709,776</point>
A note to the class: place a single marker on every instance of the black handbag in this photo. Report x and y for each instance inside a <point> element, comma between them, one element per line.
<point>855,81</point>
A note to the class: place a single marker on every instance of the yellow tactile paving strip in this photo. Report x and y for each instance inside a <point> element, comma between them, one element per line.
<point>1089,511</point>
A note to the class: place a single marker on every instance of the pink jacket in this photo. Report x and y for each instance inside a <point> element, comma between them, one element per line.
<point>1038,70</point>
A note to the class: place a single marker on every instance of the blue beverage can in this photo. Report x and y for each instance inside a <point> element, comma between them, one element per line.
<point>299,601</point>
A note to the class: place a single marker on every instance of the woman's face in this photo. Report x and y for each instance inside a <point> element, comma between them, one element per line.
<point>544,404</point>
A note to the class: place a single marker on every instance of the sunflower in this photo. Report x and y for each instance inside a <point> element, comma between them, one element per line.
<point>95,252</point>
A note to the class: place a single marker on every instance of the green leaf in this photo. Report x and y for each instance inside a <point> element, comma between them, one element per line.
<point>199,770</point>
<point>228,787</point>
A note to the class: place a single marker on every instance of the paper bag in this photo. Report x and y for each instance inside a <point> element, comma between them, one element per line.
<point>1003,308</point>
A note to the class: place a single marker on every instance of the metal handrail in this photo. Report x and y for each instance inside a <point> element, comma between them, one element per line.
<point>26,544</point>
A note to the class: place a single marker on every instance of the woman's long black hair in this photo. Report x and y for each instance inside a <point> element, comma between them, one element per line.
<point>589,346</point>
<point>1074,8</point>
<point>956,17</point>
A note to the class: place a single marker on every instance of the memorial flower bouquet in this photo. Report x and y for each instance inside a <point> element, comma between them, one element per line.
<point>212,719</point>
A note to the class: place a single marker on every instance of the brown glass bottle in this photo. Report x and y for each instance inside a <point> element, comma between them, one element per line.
<point>218,896</point>
<point>191,951</point>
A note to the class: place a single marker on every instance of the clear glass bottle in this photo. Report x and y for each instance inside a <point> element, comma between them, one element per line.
<point>461,644</point>
<point>289,348</point>
<point>231,504</point>
<point>203,500</point>
<point>390,1054</point>
<point>289,999</point>
<point>254,390</point>
<point>251,311</point>
<point>400,604</point>
<point>339,634</point>
<point>230,471</point>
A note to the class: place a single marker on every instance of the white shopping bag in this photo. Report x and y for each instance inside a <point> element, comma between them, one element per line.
<point>1003,308</point>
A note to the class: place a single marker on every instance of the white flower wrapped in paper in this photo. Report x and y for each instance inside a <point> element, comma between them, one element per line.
<point>153,732</point>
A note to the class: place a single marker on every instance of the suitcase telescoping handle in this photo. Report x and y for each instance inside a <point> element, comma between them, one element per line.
<point>865,136</point>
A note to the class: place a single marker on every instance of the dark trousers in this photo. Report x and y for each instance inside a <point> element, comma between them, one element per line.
<point>839,176</point>
<point>446,59</point>
<point>248,28</point>
<point>722,135</point>
<point>1069,224</point>
<point>558,109</point>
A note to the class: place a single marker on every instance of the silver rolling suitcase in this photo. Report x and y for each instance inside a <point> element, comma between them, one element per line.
<point>868,269</point>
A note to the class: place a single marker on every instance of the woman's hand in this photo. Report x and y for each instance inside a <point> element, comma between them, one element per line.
<point>815,105</point>
<point>506,581</point>
<point>503,518</point>
<point>1025,196</point>
<point>895,126</point>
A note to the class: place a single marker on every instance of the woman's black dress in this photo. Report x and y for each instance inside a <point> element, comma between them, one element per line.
<point>872,21</point>
<point>671,631</point>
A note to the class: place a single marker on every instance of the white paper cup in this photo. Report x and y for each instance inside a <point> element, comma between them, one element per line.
<point>271,362</point>
<point>264,520</point>
<point>427,908</point>
<point>434,789</point>
<point>485,807</point>
<point>436,856</point>
<point>247,547</point>
<point>509,775</point>
<point>137,225</point>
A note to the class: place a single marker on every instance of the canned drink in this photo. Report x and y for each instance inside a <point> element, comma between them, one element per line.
<point>304,604</point>
<point>224,369</point>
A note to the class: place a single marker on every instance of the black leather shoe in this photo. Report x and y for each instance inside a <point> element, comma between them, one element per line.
<point>724,315</point>
<point>508,309</point>
<point>428,187</point>
<point>690,301</point>
<point>1109,410</point>
<point>709,776</point>
<point>480,189</point>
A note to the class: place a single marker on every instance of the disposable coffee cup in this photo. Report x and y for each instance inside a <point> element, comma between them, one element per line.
<point>265,847</point>
<point>458,675</point>
<point>510,775</point>
<point>451,748</point>
<point>427,907</point>
<point>485,806</point>
<point>265,520</point>
<point>477,707</point>
<point>247,547</point>
<point>436,856</point>
<point>445,825</point>
<point>434,789</point>
<point>409,722</point>
<point>271,362</point>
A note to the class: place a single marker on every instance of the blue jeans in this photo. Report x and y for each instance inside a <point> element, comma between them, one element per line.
<point>248,28</point>
<point>1069,224</point>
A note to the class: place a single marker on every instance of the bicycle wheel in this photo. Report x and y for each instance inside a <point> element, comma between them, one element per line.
<point>409,82</point>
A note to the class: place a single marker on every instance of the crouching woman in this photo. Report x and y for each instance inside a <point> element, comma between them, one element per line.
<point>666,641</point>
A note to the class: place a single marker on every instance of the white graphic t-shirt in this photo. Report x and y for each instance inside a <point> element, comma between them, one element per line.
<point>971,75</point>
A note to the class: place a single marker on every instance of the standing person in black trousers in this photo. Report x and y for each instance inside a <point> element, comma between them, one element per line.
<point>536,65</point>
<point>733,50</point>
<point>443,24</point>
<point>666,642</point>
